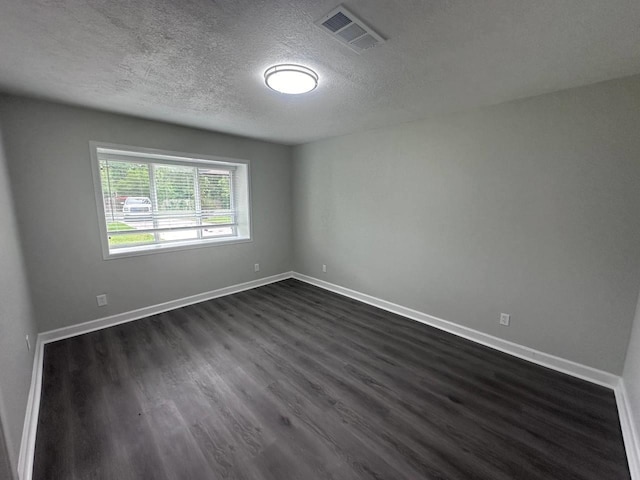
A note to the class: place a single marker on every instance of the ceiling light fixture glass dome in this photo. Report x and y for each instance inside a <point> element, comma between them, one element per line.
<point>291,79</point>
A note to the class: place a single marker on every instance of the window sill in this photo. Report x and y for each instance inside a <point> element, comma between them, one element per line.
<point>171,247</point>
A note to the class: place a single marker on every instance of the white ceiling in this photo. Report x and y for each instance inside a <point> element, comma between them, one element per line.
<point>200,62</point>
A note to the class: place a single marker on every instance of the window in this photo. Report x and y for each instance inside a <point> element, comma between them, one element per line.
<point>149,200</point>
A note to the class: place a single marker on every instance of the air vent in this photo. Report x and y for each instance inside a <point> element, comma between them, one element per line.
<point>345,27</point>
<point>336,22</point>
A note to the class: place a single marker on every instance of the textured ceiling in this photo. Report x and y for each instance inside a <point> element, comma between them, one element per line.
<point>200,62</point>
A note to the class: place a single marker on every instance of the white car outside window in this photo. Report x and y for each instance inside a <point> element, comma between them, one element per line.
<point>136,207</point>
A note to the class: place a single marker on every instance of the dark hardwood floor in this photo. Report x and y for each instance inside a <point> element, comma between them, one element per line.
<point>289,381</point>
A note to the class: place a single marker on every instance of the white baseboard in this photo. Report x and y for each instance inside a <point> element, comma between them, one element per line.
<point>27,447</point>
<point>90,326</point>
<point>569,367</point>
<point>629,432</point>
<point>28,443</point>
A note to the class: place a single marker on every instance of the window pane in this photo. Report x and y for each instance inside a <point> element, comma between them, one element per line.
<point>216,196</point>
<point>175,191</point>
<point>124,182</point>
<point>215,189</point>
<point>213,231</point>
<point>178,235</point>
<point>127,239</point>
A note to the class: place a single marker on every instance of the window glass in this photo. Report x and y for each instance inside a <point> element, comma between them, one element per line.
<point>157,201</point>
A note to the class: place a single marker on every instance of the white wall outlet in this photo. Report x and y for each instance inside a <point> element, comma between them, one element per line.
<point>324,268</point>
<point>505,319</point>
<point>28,343</point>
<point>102,300</point>
<point>256,267</point>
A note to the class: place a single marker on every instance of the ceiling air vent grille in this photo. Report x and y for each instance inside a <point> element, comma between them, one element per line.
<point>345,27</point>
<point>336,22</point>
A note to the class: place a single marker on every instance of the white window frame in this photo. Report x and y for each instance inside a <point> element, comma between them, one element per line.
<point>165,157</point>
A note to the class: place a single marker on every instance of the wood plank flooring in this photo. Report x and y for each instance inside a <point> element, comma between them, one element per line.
<point>289,381</point>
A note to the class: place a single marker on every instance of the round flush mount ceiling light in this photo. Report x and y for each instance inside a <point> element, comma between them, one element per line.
<point>291,79</point>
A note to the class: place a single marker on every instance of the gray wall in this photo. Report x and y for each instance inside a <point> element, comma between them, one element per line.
<point>529,208</point>
<point>631,374</point>
<point>47,148</point>
<point>16,321</point>
<point>5,469</point>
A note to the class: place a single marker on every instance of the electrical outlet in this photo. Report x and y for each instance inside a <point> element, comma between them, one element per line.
<point>505,319</point>
<point>28,343</point>
<point>102,300</point>
<point>324,268</point>
<point>256,267</point>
